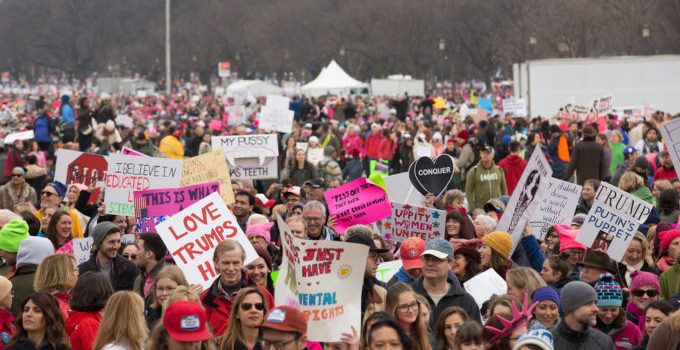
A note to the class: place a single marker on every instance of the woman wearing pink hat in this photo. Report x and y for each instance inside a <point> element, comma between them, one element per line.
<point>670,247</point>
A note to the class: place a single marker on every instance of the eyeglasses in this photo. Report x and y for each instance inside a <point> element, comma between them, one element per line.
<point>641,292</point>
<point>406,307</point>
<point>249,306</point>
<point>49,194</point>
<point>307,218</point>
<point>130,256</point>
<point>17,175</point>
<point>278,345</point>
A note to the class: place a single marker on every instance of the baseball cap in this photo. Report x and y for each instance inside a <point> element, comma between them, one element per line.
<point>439,248</point>
<point>262,201</point>
<point>486,147</point>
<point>286,319</point>
<point>362,238</point>
<point>294,190</point>
<point>494,204</point>
<point>410,251</point>
<point>629,150</point>
<point>315,183</point>
<point>185,322</point>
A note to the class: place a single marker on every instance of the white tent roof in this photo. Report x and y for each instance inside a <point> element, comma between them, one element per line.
<point>332,79</point>
<point>254,87</point>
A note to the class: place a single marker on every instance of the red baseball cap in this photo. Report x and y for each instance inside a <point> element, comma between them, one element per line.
<point>185,322</point>
<point>286,319</point>
<point>262,201</point>
<point>410,251</point>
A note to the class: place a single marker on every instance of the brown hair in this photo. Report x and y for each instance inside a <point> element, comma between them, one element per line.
<point>55,272</point>
<point>418,329</point>
<point>441,323</point>
<point>234,331</point>
<point>226,246</point>
<point>525,278</point>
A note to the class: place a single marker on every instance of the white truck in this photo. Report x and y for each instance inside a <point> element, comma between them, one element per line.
<point>633,81</point>
<point>396,85</point>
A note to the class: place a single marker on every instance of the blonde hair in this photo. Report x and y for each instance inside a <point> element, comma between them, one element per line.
<point>235,330</point>
<point>662,185</point>
<point>525,278</point>
<point>123,322</point>
<point>172,272</point>
<point>181,293</point>
<point>226,246</point>
<point>646,252</point>
<point>630,181</point>
<point>419,331</point>
<point>55,272</point>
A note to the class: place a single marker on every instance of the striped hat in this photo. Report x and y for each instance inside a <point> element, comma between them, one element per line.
<point>609,292</point>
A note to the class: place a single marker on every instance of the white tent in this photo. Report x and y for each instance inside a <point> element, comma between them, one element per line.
<point>332,80</point>
<point>254,87</point>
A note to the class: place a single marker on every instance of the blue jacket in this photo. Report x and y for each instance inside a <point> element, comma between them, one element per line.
<point>67,115</point>
<point>558,166</point>
<point>528,253</point>
<point>41,128</point>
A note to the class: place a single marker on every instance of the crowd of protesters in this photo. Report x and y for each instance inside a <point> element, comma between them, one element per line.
<point>560,293</point>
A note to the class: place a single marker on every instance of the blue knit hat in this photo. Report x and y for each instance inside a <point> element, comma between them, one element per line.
<point>546,293</point>
<point>608,291</point>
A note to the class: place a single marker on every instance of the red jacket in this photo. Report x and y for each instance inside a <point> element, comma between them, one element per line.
<point>81,328</point>
<point>218,309</point>
<point>513,166</point>
<point>62,299</point>
<point>372,145</point>
<point>6,328</point>
<point>386,149</point>
<point>665,174</point>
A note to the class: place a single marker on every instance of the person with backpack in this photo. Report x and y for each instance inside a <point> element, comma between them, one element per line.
<point>485,181</point>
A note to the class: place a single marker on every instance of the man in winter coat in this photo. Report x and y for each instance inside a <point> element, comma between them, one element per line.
<point>513,166</point>
<point>587,159</point>
<point>106,241</point>
<point>484,181</point>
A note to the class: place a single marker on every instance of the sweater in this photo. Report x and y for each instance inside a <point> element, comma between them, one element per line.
<point>669,281</point>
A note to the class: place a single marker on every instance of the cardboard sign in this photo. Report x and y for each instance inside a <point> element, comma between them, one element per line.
<point>515,106</point>
<point>192,235</point>
<point>357,202</point>
<point>276,115</point>
<point>154,206</point>
<point>19,136</point>
<point>557,207</point>
<point>613,220</point>
<point>250,156</point>
<point>209,167</point>
<point>484,285</point>
<point>386,270</point>
<point>571,111</point>
<point>131,152</point>
<point>414,221</point>
<point>431,176</point>
<point>399,189</point>
<point>127,174</point>
<point>82,168</point>
<point>237,115</point>
<point>527,196</point>
<point>82,248</point>
<point>603,105</point>
<point>323,279</point>
<point>670,131</point>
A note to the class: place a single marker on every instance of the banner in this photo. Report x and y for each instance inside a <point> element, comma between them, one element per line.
<point>357,202</point>
<point>127,174</point>
<point>209,167</point>
<point>324,280</point>
<point>82,168</point>
<point>613,220</point>
<point>276,115</point>
<point>557,207</point>
<point>515,106</point>
<point>414,221</point>
<point>527,196</point>
<point>192,235</point>
<point>670,131</point>
<point>154,206</point>
<point>250,156</point>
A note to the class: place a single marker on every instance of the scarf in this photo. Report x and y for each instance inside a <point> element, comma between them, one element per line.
<point>664,263</point>
<point>638,313</point>
<point>631,268</point>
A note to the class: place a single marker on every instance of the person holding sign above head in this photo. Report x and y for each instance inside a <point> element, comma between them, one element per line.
<point>229,257</point>
<point>106,242</point>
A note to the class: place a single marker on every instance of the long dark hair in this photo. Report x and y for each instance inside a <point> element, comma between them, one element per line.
<point>235,330</point>
<point>467,229</point>
<point>439,329</point>
<point>51,233</point>
<point>91,292</point>
<point>55,336</point>
<point>406,341</point>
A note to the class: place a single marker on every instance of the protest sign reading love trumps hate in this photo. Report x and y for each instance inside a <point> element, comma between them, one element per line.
<point>323,279</point>
<point>414,221</point>
<point>192,235</point>
<point>357,202</point>
<point>613,220</point>
<point>249,156</point>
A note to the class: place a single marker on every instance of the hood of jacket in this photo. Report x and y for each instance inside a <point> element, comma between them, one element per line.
<point>75,317</point>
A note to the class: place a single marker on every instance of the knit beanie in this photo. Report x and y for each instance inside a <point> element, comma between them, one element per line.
<point>576,294</point>
<point>12,234</point>
<point>666,238</point>
<point>639,279</point>
<point>33,250</point>
<point>544,294</point>
<point>500,242</point>
<point>538,336</point>
<point>102,230</point>
<point>609,292</point>
<point>5,287</point>
<point>567,237</point>
<point>262,230</point>
<point>59,187</point>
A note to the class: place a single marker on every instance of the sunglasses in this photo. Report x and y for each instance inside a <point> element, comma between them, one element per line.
<point>641,292</point>
<point>17,175</point>
<point>49,194</point>
<point>248,306</point>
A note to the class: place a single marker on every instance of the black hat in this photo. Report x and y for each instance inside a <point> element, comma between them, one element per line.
<point>362,238</point>
<point>315,183</point>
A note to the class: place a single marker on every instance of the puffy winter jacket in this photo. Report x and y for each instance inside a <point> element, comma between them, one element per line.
<point>81,328</point>
<point>513,166</point>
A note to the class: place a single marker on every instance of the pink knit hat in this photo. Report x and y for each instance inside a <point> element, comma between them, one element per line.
<point>666,238</point>
<point>568,238</point>
<point>639,279</point>
<point>261,230</point>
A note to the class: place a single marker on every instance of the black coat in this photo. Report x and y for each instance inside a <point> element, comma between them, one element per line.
<point>587,159</point>
<point>456,296</point>
<point>124,271</point>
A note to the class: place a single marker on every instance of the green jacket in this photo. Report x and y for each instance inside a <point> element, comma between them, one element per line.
<point>22,284</point>
<point>484,184</point>
<point>645,194</point>
<point>669,281</point>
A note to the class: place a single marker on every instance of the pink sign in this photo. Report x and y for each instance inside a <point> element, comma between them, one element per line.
<point>131,152</point>
<point>357,202</point>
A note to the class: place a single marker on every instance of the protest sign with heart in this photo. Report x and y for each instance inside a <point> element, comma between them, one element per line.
<point>431,176</point>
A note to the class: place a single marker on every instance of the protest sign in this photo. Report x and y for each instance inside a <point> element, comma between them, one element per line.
<point>571,111</point>
<point>670,131</point>
<point>315,155</point>
<point>131,152</point>
<point>237,115</point>
<point>209,167</point>
<point>515,106</point>
<point>323,279</point>
<point>603,105</point>
<point>192,235</point>
<point>414,221</point>
<point>128,238</point>
<point>223,69</point>
<point>127,174</point>
<point>249,156</point>
<point>82,248</point>
<point>400,190</point>
<point>386,270</point>
<point>357,202</point>
<point>527,196</point>
<point>613,220</point>
<point>380,167</point>
<point>302,145</point>
<point>75,167</point>
<point>19,136</point>
<point>557,207</point>
<point>483,285</point>
<point>276,115</point>
<point>154,206</point>
<point>485,103</point>
<point>431,176</point>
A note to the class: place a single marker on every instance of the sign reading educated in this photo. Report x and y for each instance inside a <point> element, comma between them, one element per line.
<point>431,176</point>
<point>209,167</point>
<point>127,174</point>
<point>357,202</point>
<point>249,156</point>
<point>323,279</point>
<point>557,207</point>
<point>154,206</point>
<point>192,235</point>
<point>414,221</point>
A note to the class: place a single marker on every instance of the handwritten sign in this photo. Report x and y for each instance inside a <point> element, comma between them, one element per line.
<point>315,155</point>
<point>75,167</point>
<point>603,105</point>
<point>127,174</point>
<point>249,156</point>
<point>613,220</point>
<point>276,115</point>
<point>386,270</point>
<point>414,221</point>
<point>154,206</point>
<point>557,207</point>
<point>671,138</point>
<point>515,106</point>
<point>209,167</point>
<point>192,235</point>
<point>82,248</point>
<point>323,279</point>
<point>357,202</point>
<point>237,115</point>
